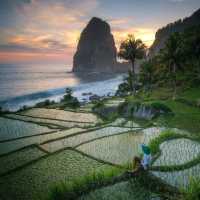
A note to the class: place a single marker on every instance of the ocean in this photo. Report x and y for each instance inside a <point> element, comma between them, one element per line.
<point>29,84</point>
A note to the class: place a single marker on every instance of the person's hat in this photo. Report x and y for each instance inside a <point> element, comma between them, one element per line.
<point>145,149</point>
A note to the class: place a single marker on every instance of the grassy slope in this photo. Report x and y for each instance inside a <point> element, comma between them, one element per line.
<point>186,116</point>
<point>36,180</point>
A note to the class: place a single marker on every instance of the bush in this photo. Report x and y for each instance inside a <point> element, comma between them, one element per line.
<point>23,108</point>
<point>98,105</point>
<point>162,108</point>
<point>192,192</point>
<point>123,89</point>
<point>45,103</point>
<point>70,101</point>
<point>2,111</point>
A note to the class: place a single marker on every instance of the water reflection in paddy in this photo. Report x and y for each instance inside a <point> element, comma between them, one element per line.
<point>180,178</point>
<point>120,149</point>
<point>177,152</point>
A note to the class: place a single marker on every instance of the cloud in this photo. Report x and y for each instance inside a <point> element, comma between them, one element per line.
<point>119,21</point>
<point>33,44</point>
<point>147,35</point>
<point>16,48</point>
<point>53,27</point>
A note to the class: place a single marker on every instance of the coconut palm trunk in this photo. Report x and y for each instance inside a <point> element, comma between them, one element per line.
<point>133,76</point>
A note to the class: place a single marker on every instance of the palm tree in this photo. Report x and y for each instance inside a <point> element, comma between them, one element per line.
<point>132,49</point>
<point>171,57</point>
<point>146,74</point>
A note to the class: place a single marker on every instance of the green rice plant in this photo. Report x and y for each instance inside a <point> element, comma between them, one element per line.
<point>82,185</point>
<point>192,192</point>
<point>164,136</point>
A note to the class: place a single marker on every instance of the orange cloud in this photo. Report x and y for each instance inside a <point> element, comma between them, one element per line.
<point>118,22</point>
<point>146,35</point>
<point>51,30</point>
<point>26,57</point>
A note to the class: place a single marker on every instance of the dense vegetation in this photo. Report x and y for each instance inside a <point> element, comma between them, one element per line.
<point>70,101</point>
<point>178,26</point>
<point>175,66</point>
<point>132,49</point>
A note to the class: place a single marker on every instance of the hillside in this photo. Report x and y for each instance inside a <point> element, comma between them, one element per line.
<point>178,26</point>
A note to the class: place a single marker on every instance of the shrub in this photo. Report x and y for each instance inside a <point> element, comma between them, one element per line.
<point>23,108</point>
<point>123,89</point>
<point>98,105</point>
<point>45,103</point>
<point>70,101</point>
<point>2,111</point>
<point>192,192</point>
<point>160,107</point>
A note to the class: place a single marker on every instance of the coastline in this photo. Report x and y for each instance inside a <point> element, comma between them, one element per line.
<point>101,84</point>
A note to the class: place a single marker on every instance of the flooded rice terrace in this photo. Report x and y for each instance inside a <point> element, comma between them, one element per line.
<point>42,147</point>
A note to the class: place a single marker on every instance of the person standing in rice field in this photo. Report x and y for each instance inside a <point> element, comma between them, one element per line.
<point>144,162</point>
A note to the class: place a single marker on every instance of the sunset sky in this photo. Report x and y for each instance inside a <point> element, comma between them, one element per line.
<point>34,31</point>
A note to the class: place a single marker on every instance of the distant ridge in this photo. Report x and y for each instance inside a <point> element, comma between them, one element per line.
<point>178,26</point>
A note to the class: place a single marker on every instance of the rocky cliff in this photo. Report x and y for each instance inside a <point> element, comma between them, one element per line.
<point>96,49</point>
<point>163,34</point>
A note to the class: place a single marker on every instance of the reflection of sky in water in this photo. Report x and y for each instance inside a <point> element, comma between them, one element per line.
<point>180,178</point>
<point>27,85</point>
<point>178,151</point>
<point>77,140</point>
<point>37,139</point>
<point>26,79</point>
<point>10,129</point>
<point>119,149</point>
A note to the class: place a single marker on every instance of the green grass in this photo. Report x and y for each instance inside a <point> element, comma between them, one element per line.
<point>164,136</point>
<point>192,192</point>
<point>191,94</point>
<point>158,93</point>
<point>185,117</point>
<point>82,185</point>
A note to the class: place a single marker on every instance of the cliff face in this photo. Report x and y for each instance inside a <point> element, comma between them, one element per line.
<point>163,34</point>
<point>96,49</point>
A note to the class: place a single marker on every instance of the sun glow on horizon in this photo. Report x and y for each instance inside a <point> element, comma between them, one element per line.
<point>50,29</point>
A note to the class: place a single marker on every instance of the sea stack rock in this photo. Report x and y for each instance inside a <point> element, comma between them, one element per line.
<point>96,51</point>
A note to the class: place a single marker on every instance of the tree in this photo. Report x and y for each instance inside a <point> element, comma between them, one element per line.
<point>69,100</point>
<point>171,57</point>
<point>132,49</point>
<point>146,74</point>
<point>191,53</point>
